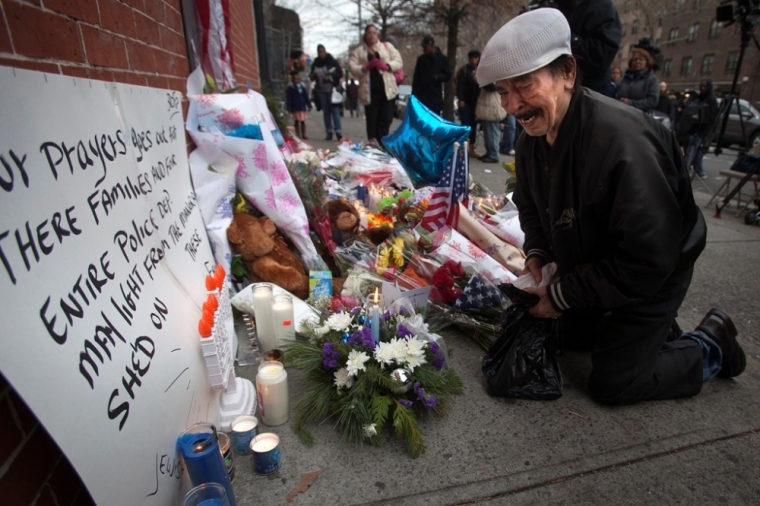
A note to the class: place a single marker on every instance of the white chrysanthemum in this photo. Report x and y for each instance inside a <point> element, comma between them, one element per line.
<point>413,361</point>
<point>355,362</point>
<point>398,349</point>
<point>342,378</point>
<point>339,321</point>
<point>370,430</point>
<point>384,354</point>
<point>415,347</point>
<point>320,331</point>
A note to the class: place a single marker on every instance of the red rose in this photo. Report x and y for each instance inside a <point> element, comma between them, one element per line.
<point>441,279</point>
<point>450,295</point>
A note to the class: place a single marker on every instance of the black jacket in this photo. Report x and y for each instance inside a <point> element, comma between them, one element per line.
<point>429,73</point>
<point>595,38</point>
<point>467,86</point>
<point>611,202</point>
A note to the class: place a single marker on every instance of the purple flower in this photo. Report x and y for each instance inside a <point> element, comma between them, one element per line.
<point>419,391</point>
<point>356,310</point>
<point>362,337</point>
<point>329,356</point>
<point>439,359</point>
<point>405,403</point>
<point>404,332</point>
<point>386,315</point>
<point>430,402</point>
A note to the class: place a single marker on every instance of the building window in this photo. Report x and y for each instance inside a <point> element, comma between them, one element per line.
<point>686,66</point>
<point>627,6</point>
<point>707,63</point>
<point>693,31</point>
<point>623,27</point>
<point>733,59</point>
<point>667,68</point>
<point>715,27</point>
<point>673,35</point>
<point>635,27</point>
<point>659,21</point>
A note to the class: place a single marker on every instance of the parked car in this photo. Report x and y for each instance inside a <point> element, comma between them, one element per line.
<point>404,90</point>
<point>751,118</point>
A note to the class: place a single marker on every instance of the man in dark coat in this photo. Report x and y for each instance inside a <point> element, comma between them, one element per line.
<point>595,40</point>
<point>603,192</point>
<point>431,71</point>
<point>468,92</point>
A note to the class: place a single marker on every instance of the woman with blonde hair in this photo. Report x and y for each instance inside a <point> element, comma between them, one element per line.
<point>374,62</point>
<point>639,87</point>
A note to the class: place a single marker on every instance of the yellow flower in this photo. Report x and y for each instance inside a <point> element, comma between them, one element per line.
<point>398,253</point>
<point>383,259</point>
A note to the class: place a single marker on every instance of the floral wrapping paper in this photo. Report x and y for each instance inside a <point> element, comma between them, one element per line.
<point>261,174</point>
<point>454,246</point>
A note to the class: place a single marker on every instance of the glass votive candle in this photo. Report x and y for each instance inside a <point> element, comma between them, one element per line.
<point>275,355</point>
<point>266,453</point>
<point>272,388</point>
<point>282,318</point>
<point>207,494</point>
<point>199,447</point>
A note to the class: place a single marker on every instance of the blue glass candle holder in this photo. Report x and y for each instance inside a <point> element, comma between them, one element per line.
<point>199,447</point>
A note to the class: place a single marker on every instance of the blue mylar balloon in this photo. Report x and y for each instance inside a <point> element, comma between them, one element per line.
<point>424,142</point>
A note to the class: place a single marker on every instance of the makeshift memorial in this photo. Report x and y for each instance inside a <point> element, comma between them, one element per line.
<point>506,254</point>
<point>424,143</point>
<point>344,220</point>
<point>226,448</point>
<point>366,385</point>
<point>282,317</point>
<point>265,254</point>
<point>262,312</point>
<point>203,460</point>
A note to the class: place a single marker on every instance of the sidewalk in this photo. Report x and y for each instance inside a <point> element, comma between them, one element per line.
<point>701,450</point>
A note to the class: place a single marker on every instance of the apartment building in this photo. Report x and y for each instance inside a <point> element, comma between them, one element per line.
<point>694,44</point>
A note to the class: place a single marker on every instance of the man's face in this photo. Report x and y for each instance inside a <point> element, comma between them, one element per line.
<point>663,87</point>
<point>474,60</point>
<point>428,48</point>
<point>537,100</point>
<point>321,52</point>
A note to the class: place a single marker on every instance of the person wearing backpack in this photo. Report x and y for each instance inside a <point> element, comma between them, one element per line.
<point>696,123</point>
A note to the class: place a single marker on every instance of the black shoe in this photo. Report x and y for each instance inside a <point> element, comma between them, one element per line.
<point>329,137</point>
<point>487,159</point>
<point>719,327</point>
<point>338,136</point>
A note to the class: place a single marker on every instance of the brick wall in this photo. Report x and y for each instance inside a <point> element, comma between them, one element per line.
<point>130,41</point>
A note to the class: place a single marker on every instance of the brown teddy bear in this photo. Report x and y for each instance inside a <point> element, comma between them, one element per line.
<point>344,219</point>
<point>266,255</point>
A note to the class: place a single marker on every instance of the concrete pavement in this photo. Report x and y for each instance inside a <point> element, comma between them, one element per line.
<point>701,450</point>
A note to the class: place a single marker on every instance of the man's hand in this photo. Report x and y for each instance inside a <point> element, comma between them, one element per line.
<point>461,104</point>
<point>533,266</point>
<point>624,100</point>
<point>544,308</point>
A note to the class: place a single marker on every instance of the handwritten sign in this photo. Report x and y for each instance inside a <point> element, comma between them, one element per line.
<point>103,256</point>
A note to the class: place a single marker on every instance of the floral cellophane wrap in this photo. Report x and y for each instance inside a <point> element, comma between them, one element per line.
<point>503,252</point>
<point>261,173</point>
<point>451,245</point>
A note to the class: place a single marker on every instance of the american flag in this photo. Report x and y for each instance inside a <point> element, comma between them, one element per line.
<point>443,206</point>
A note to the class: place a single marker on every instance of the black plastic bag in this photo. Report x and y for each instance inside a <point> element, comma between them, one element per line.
<point>522,362</point>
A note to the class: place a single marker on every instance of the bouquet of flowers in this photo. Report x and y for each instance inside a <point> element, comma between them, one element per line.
<point>365,381</point>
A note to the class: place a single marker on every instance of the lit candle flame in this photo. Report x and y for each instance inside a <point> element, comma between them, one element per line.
<point>376,296</point>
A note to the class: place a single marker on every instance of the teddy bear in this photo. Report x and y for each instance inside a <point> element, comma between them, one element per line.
<point>344,220</point>
<point>266,255</point>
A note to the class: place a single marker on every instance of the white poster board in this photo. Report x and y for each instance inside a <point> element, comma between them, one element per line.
<point>103,257</point>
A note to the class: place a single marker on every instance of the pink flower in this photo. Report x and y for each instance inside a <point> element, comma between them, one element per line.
<point>206,100</point>
<point>269,198</point>
<point>241,172</point>
<point>260,156</point>
<point>233,118</point>
<point>278,173</point>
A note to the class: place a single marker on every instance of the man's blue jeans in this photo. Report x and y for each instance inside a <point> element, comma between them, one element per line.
<point>712,356</point>
<point>491,138</point>
<point>694,155</point>
<point>508,138</point>
<point>330,113</point>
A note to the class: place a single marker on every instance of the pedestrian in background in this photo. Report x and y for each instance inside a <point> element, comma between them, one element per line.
<point>595,39</point>
<point>468,92</point>
<point>665,104</point>
<point>430,72</point>
<point>490,112</point>
<point>297,102</point>
<point>639,87</point>
<point>508,127</point>
<point>375,63</point>
<point>697,122</point>
<point>352,92</point>
<point>326,74</point>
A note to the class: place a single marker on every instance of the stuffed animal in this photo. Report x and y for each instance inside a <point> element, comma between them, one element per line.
<point>344,219</point>
<point>266,255</point>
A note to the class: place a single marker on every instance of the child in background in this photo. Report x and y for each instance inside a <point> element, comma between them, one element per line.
<point>297,102</point>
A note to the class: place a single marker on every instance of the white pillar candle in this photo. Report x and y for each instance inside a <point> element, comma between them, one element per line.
<point>272,387</point>
<point>262,307</point>
<point>282,316</point>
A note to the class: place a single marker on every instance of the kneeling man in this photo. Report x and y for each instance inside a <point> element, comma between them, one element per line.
<point>603,191</point>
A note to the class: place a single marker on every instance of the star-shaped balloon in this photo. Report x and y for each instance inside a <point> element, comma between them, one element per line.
<point>424,142</point>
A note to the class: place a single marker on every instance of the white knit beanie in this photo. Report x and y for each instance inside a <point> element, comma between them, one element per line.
<point>526,43</point>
